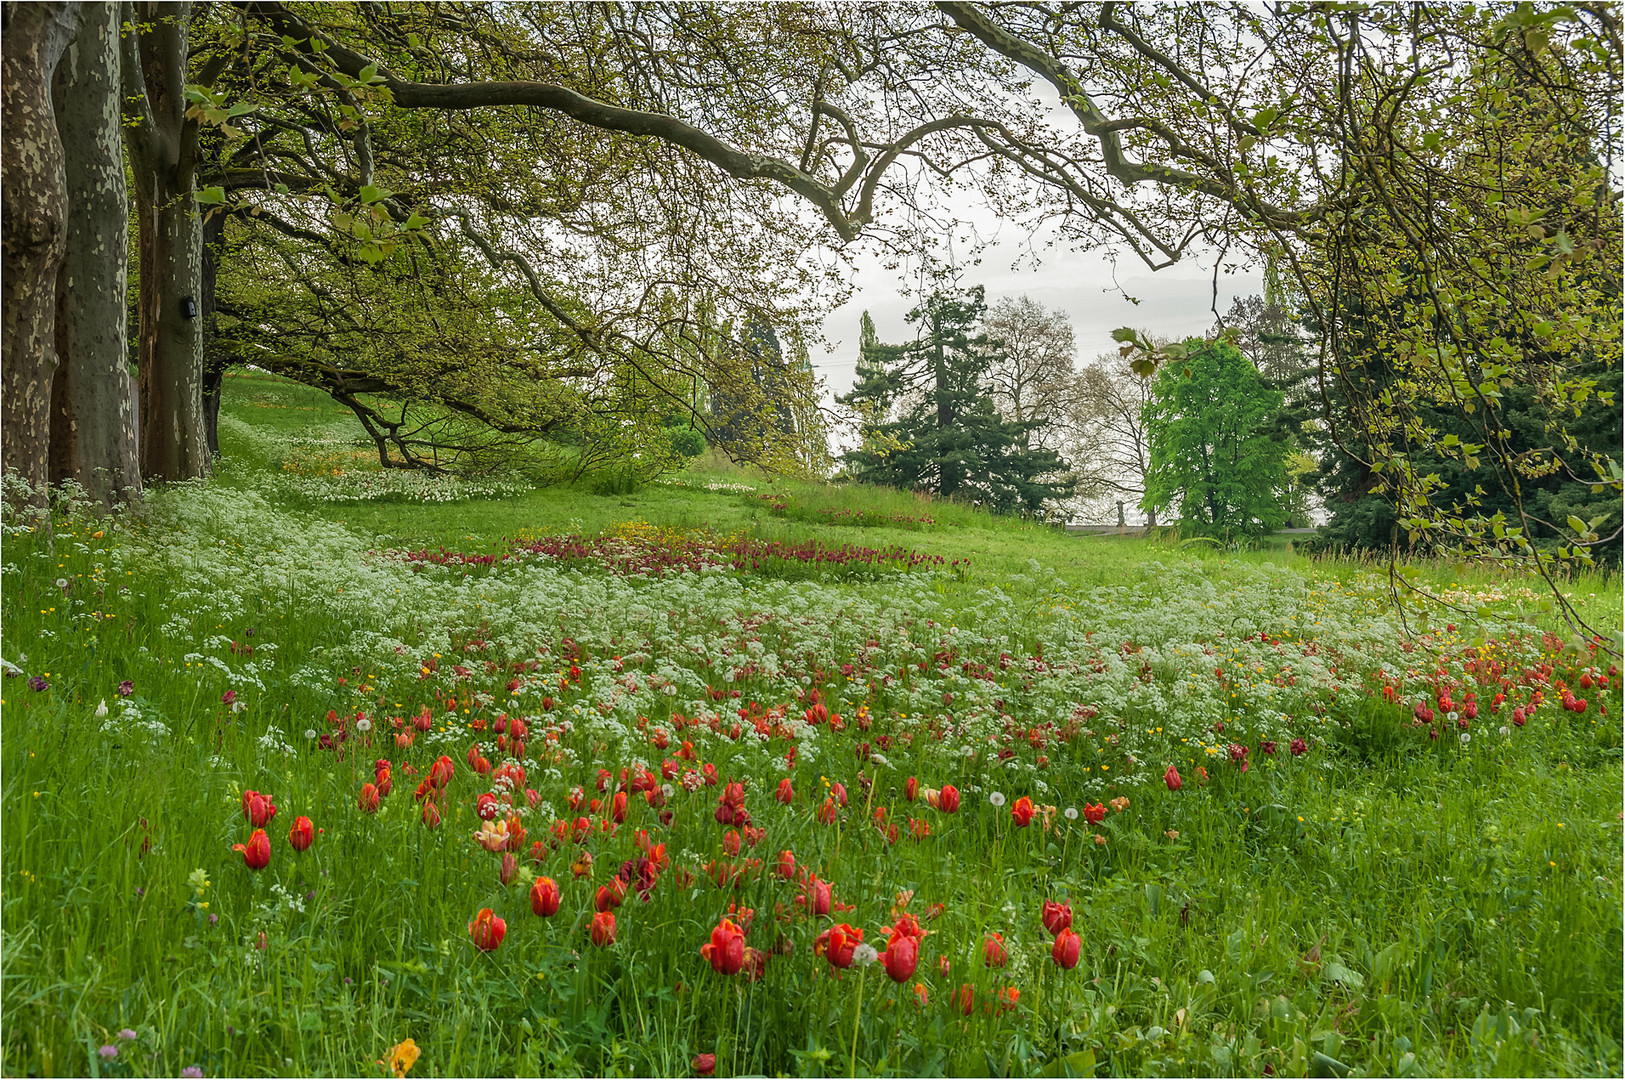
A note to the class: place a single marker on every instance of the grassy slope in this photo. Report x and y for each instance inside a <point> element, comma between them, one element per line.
<point>1400,912</point>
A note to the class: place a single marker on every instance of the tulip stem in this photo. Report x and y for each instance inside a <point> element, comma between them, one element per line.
<point>857,1014</point>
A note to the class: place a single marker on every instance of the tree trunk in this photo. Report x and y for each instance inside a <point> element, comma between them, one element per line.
<point>33,226</point>
<point>215,360</point>
<point>173,444</point>
<point>92,425</point>
<point>162,144</point>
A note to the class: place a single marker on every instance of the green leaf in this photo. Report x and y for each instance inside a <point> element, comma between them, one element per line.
<point>1338,973</point>
<point>211,196</point>
<point>367,74</point>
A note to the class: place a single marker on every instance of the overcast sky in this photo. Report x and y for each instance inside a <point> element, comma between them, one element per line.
<point>1172,302</point>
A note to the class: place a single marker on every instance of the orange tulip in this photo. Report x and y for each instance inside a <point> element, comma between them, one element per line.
<point>603,928</point>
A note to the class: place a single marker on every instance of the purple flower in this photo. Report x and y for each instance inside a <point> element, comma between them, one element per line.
<point>126,1033</point>
<point>193,1071</point>
<point>213,918</point>
<point>37,683</point>
<point>228,697</point>
<point>108,1053</point>
<point>139,892</point>
<point>126,688</point>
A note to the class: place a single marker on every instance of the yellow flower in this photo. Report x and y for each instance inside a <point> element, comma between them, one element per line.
<point>402,1056</point>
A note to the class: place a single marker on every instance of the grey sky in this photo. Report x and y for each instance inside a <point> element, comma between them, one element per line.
<point>1173,302</point>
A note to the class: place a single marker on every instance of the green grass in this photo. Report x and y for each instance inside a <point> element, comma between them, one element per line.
<point>1384,904</point>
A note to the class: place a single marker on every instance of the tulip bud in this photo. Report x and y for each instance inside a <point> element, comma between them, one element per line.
<point>911,788</point>
<point>1171,778</point>
<point>949,799</point>
<point>786,793</point>
<point>902,956</point>
<point>302,833</point>
<point>510,867</point>
<point>1068,946</point>
<point>431,815</point>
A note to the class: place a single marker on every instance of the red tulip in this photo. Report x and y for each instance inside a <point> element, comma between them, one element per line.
<point>1095,814</point>
<point>726,949</point>
<point>603,928</point>
<point>302,834</point>
<point>902,956</point>
<point>617,807</point>
<point>911,789</point>
<point>368,802</point>
<point>609,896</point>
<point>819,897</point>
<point>1068,946</point>
<point>839,791</point>
<point>705,1064</point>
<point>967,999</point>
<point>510,867</point>
<point>1057,917</point>
<point>787,864</point>
<point>949,799</point>
<point>827,812</point>
<point>485,807</point>
<point>786,793</point>
<point>993,952</point>
<point>544,897</point>
<point>258,809</point>
<point>382,778</point>
<point>257,852</point>
<point>487,930</point>
<point>1022,811</point>
<point>730,843</point>
<point>431,815</point>
<point>1171,778</point>
<point>441,772</point>
<point>837,944</point>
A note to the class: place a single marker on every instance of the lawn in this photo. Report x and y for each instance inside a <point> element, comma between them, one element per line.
<point>1292,833</point>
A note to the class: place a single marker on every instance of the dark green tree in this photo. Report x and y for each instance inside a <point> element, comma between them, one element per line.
<point>1218,451</point>
<point>928,419</point>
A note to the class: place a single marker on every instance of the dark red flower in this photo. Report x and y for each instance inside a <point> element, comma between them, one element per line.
<point>1057,917</point>
<point>1171,778</point>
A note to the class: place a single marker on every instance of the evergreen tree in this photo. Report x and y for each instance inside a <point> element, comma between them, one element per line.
<point>1218,452</point>
<point>929,422</point>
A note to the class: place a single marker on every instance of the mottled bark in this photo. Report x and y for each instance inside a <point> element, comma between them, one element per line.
<point>92,424</point>
<point>162,145</point>
<point>33,228</point>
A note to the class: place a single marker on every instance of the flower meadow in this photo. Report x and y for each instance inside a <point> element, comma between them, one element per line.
<point>282,797</point>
